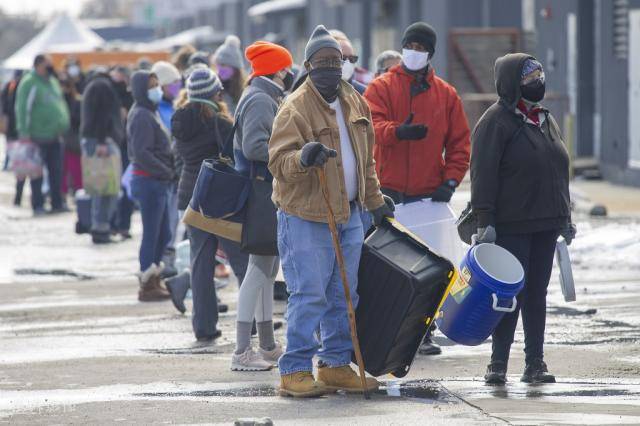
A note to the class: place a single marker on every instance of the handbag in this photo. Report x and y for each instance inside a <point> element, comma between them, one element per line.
<point>467,224</point>
<point>220,191</point>
<point>101,175</point>
<point>260,228</point>
<point>25,159</point>
<point>219,196</point>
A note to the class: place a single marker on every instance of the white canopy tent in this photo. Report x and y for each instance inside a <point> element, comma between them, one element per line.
<point>63,34</point>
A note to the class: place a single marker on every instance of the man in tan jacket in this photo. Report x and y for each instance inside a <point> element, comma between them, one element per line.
<point>326,124</point>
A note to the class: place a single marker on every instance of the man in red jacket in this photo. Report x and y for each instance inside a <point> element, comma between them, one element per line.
<point>422,135</point>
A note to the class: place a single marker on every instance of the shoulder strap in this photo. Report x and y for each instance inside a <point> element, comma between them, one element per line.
<point>228,141</point>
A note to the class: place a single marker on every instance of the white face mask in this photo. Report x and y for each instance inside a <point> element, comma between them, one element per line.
<point>347,70</point>
<point>414,60</point>
<point>155,94</point>
<point>73,71</point>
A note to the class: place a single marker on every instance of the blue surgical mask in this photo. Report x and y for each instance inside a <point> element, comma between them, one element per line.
<point>155,94</point>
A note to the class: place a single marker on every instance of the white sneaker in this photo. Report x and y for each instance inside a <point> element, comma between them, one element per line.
<point>273,355</point>
<point>249,360</point>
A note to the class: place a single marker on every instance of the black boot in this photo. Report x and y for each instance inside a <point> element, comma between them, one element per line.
<point>17,200</point>
<point>101,237</point>
<point>169,260</point>
<point>427,347</point>
<point>496,373</point>
<point>178,287</point>
<point>536,372</point>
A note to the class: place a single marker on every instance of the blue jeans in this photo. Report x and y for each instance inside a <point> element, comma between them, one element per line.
<point>153,197</point>
<point>174,216</point>
<point>316,294</point>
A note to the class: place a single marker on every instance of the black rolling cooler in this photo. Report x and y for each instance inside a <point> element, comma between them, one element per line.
<point>401,284</point>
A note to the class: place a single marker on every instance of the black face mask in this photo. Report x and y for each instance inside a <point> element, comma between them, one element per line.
<point>534,91</point>
<point>327,81</point>
<point>288,81</point>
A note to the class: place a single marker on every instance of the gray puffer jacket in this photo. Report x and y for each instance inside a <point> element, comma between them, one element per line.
<point>255,114</point>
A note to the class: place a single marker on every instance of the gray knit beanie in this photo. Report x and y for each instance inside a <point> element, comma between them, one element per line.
<point>320,38</point>
<point>203,84</point>
<point>229,53</point>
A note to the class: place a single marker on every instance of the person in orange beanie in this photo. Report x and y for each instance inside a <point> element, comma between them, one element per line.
<point>256,111</point>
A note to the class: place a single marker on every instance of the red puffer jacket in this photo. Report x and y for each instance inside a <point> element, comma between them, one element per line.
<point>418,167</point>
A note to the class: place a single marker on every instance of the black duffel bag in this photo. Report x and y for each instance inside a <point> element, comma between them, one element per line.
<point>260,229</point>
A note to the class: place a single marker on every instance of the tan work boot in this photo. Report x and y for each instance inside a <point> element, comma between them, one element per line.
<point>151,289</point>
<point>301,385</point>
<point>345,379</point>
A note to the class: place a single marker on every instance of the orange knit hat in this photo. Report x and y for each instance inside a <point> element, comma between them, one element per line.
<point>267,58</point>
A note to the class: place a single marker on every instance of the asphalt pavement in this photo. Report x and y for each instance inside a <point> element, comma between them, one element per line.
<point>77,347</point>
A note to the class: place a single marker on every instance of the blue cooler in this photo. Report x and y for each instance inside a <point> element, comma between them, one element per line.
<point>488,282</point>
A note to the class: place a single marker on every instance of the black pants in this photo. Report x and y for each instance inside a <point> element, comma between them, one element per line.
<point>121,220</point>
<point>535,252</point>
<point>205,303</point>
<point>51,152</point>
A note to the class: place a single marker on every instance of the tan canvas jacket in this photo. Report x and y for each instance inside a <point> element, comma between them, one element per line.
<point>306,117</point>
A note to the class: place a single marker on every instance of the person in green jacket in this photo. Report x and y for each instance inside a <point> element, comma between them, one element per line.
<point>42,117</point>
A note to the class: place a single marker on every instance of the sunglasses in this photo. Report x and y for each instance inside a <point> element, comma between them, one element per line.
<point>353,58</point>
<point>327,63</point>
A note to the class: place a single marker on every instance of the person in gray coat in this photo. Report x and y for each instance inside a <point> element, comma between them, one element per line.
<point>153,174</point>
<point>255,114</point>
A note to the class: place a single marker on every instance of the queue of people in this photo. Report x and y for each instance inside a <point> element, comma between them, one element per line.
<point>401,137</point>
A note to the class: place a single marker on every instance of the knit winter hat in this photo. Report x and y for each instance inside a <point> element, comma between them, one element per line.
<point>166,72</point>
<point>320,38</point>
<point>199,57</point>
<point>192,68</point>
<point>529,66</point>
<point>423,33</point>
<point>267,58</point>
<point>229,53</point>
<point>203,84</point>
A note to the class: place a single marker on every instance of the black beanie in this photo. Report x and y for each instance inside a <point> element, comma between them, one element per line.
<point>420,32</point>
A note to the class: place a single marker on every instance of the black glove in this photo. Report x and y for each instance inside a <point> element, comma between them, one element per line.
<point>385,210</point>
<point>484,236</point>
<point>408,131</point>
<point>444,192</point>
<point>314,154</point>
<point>569,233</point>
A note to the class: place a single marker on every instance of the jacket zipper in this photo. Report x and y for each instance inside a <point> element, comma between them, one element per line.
<point>408,151</point>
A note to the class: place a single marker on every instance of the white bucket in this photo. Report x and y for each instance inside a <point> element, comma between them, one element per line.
<point>435,224</point>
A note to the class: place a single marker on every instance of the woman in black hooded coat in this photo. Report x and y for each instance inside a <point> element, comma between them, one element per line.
<point>200,127</point>
<point>520,195</point>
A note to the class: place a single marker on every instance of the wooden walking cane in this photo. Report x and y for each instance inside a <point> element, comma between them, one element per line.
<point>343,272</point>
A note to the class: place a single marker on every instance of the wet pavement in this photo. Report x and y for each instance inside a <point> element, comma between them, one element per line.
<point>76,346</point>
